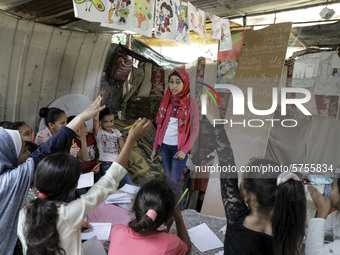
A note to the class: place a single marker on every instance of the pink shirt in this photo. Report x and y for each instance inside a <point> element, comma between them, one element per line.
<point>43,136</point>
<point>124,241</point>
<point>185,139</point>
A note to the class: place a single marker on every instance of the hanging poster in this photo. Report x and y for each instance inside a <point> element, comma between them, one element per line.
<point>182,23</point>
<point>327,82</point>
<point>196,20</point>
<point>165,25</point>
<point>228,60</point>
<point>90,10</point>
<point>305,70</point>
<point>143,17</point>
<point>225,42</point>
<point>133,15</point>
<point>119,14</point>
<point>216,27</point>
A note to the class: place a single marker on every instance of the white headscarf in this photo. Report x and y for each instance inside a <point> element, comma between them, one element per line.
<point>16,138</point>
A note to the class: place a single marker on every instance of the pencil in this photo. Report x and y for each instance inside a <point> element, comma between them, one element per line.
<point>72,141</point>
<point>185,192</point>
<point>95,167</point>
<point>134,124</point>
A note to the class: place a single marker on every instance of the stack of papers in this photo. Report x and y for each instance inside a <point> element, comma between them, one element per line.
<point>86,180</point>
<point>118,199</point>
<point>203,238</point>
<point>93,246</point>
<point>130,189</point>
<point>101,230</point>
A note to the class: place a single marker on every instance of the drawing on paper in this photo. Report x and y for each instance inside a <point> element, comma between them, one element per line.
<point>97,4</point>
<point>142,14</point>
<point>164,18</point>
<point>182,33</point>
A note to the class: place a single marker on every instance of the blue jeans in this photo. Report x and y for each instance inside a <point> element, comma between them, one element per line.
<point>105,165</point>
<point>173,168</point>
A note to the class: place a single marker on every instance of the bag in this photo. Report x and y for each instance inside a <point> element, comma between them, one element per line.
<point>121,67</point>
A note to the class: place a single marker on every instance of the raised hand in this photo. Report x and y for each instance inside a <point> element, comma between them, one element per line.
<point>140,130</point>
<point>321,202</point>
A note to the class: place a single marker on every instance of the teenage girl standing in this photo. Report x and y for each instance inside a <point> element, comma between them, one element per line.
<point>177,125</point>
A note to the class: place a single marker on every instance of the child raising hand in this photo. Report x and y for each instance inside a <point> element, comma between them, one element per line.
<point>48,225</point>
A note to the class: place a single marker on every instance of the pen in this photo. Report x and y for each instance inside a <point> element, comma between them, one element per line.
<point>95,167</point>
<point>134,124</point>
<point>181,197</point>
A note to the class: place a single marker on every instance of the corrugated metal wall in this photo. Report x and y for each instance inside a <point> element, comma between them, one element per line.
<point>39,63</point>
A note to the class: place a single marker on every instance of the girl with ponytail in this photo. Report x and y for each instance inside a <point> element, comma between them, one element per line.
<point>266,215</point>
<point>154,205</point>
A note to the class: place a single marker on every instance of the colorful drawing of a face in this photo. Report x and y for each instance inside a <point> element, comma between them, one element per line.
<point>143,6</point>
<point>181,12</point>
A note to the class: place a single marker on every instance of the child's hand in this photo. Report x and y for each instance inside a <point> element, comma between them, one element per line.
<point>86,227</point>
<point>322,203</point>
<point>140,130</point>
<point>74,150</point>
<point>96,169</point>
<point>180,155</point>
<point>81,132</point>
<point>154,154</point>
<point>93,109</point>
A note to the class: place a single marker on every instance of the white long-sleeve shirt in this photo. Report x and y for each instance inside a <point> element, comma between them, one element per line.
<point>71,216</point>
<point>317,229</point>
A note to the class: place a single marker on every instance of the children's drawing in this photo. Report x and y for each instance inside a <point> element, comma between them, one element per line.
<point>216,27</point>
<point>97,3</point>
<point>91,10</point>
<point>114,10</point>
<point>306,70</point>
<point>225,42</point>
<point>124,11</point>
<point>142,14</point>
<point>182,27</point>
<point>164,20</point>
<point>327,81</point>
<point>120,15</point>
<point>197,20</point>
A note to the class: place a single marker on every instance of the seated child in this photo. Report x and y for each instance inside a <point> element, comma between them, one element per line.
<point>154,205</point>
<point>87,153</point>
<point>324,223</point>
<point>108,141</point>
<point>55,118</point>
<point>48,225</point>
<point>24,130</point>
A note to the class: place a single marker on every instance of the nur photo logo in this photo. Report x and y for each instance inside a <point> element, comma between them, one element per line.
<point>238,104</point>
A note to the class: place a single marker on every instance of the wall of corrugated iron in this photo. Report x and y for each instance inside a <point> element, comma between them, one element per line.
<point>39,63</point>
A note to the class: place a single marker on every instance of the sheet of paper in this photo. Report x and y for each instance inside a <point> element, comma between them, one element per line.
<point>93,246</point>
<point>86,180</point>
<point>203,238</point>
<point>101,230</point>
<point>130,189</point>
<point>118,198</point>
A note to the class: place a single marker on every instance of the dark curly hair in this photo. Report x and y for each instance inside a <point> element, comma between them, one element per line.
<point>56,176</point>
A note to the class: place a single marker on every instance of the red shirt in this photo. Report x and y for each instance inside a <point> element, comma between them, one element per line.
<point>91,150</point>
<point>187,138</point>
